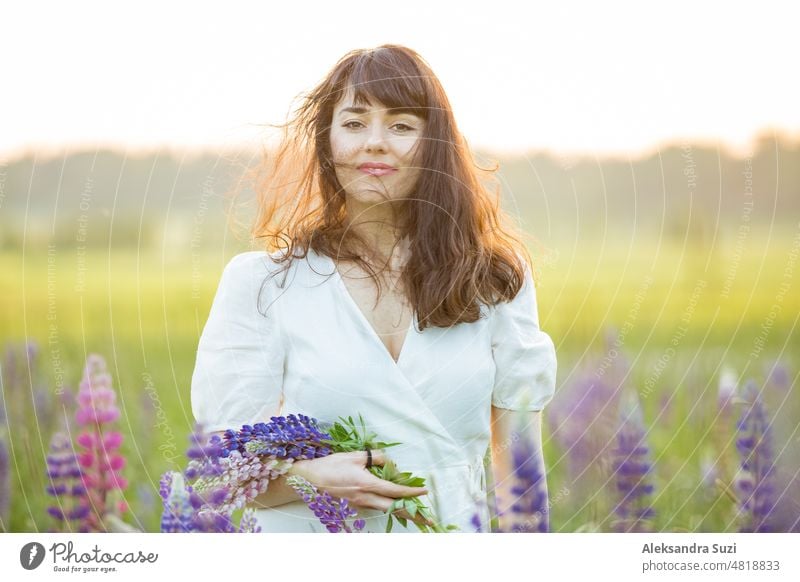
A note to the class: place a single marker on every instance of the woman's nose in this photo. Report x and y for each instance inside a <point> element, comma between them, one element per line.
<point>375,141</point>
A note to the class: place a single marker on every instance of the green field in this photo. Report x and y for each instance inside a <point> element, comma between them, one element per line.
<point>144,313</point>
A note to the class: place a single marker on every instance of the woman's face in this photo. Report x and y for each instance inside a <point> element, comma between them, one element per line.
<point>373,149</point>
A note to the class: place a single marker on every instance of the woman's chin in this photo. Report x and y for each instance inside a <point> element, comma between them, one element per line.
<point>370,196</point>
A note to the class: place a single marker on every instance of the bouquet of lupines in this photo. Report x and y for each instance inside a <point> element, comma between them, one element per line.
<point>186,510</point>
<point>234,469</point>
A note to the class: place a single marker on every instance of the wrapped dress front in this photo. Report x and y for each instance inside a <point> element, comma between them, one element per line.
<point>294,341</point>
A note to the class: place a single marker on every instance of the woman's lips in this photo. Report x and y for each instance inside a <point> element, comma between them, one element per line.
<point>377,171</point>
<point>376,168</point>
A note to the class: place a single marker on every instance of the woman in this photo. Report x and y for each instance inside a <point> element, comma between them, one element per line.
<point>399,294</point>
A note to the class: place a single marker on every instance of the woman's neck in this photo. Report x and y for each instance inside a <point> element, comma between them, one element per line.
<point>378,226</point>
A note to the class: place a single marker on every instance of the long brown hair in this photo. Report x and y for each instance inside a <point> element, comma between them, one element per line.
<point>463,248</point>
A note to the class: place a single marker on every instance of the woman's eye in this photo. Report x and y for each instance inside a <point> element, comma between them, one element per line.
<point>401,127</point>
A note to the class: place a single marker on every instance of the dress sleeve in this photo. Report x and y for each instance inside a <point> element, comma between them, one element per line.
<point>238,373</point>
<point>524,355</point>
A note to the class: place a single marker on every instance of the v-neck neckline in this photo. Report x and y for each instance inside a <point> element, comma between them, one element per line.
<point>365,322</point>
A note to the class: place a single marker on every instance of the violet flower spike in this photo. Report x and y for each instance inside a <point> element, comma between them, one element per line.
<point>295,436</point>
<point>178,514</point>
<point>631,465</point>
<point>531,504</point>
<point>66,477</point>
<point>332,512</point>
<point>203,498</point>
<point>754,481</point>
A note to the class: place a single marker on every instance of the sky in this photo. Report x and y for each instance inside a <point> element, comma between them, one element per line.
<point>572,77</point>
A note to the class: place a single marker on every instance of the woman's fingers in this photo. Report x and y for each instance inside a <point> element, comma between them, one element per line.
<point>374,501</point>
<point>394,490</point>
<point>384,487</point>
<point>378,456</point>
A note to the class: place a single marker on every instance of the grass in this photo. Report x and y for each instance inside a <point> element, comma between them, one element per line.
<point>144,313</point>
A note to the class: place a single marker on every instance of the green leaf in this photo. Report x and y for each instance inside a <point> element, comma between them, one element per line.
<point>382,445</point>
<point>389,525</point>
<point>389,470</point>
<point>411,507</point>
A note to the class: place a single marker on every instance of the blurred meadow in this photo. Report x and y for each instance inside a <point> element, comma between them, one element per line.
<point>668,280</point>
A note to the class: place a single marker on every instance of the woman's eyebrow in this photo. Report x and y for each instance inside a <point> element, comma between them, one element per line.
<point>391,110</point>
<point>358,110</point>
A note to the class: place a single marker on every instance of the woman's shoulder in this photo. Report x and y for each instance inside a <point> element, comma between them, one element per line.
<point>251,263</point>
<point>275,269</point>
<point>247,272</point>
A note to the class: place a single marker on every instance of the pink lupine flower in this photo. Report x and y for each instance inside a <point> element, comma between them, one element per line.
<point>97,401</point>
<point>99,459</point>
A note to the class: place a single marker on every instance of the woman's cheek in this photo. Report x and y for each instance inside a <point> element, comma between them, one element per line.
<point>343,149</point>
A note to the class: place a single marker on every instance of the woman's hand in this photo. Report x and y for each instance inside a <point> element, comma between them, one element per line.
<point>345,475</point>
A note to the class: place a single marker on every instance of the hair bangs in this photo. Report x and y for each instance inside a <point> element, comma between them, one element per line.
<point>389,79</point>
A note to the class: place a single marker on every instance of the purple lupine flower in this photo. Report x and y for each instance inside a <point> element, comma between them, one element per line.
<point>332,512</point>
<point>210,521</point>
<point>186,512</point>
<point>484,508</point>
<point>243,462</point>
<point>5,484</point>
<point>207,504</point>
<point>102,464</point>
<point>632,467</point>
<point>204,454</point>
<point>529,491</point>
<point>66,486</point>
<point>165,485</point>
<point>242,480</point>
<point>178,514</point>
<point>295,436</point>
<point>249,523</point>
<point>476,522</point>
<point>779,376</point>
<point>229,479</point>
<point>583,421</point>
<point>755,479</point>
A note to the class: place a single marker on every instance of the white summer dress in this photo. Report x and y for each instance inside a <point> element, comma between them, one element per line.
<point>296,342</point>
